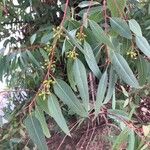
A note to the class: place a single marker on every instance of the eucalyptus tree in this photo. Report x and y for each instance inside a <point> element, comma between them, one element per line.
<point>86,61</point>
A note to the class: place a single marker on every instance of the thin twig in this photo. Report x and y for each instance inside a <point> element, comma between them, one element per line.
<point>65,12</point>
<point>67,135</point>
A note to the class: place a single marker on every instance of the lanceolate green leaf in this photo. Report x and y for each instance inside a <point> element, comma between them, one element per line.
<point>100,34</point>
<point>143,45</point>
<point>111,85</point>
<point>64,47</point>
<point>135,27</point>
<point>40,116</point>
<point>32,39</point>
<point>46,38</point>
<point>42,104</point>
<point>81,81</point>
<point>70,74</point>
<point>122,138</point>
<point>101,92</point>
<point>35,132</point>
<point>116,7</point>
<point>44,54</point>
<point>121,27</point>
<point>87,3</point>
<point>118,113</point>
<point>32,58</point>
<point>131,140</point>
<point>73,40</point>
<point>56,113</point>
<point>123,70</point>
<point>143,68</point>
<point>65,93</point>
<point>91,61</point>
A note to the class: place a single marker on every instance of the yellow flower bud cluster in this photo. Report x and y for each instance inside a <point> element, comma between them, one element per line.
<point>43,94</point>
<point>48,65</point>
<point>47,83</point>
<point>132,54</point>
<point>72,54</point>
<point>48,48</point>
<point>57,32</point>
<point>46,88</point>
<point>81,36</point>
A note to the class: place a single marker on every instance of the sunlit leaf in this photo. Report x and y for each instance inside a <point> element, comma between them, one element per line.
<point>32,39</point>
<point>87,3</point>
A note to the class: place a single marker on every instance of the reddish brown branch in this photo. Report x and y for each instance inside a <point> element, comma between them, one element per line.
<point>65,12</point>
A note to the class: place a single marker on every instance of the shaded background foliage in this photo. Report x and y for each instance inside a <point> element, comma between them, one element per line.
<point>83,63</point>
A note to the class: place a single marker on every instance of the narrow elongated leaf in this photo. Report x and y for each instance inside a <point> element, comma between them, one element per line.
<point>32,58</point>
<point>99,33</point>
<point>114,99</point>
<point>70,74</point>
<point>56,113</point>
<point>143,45</point>
<point>35,132</point>
<point>91,61</point>
<point>44,54</point>
<point>42,104</point>
<point>119,113</point>
<point>87,3</point>
<point>46,38</point>
<point>40,116</point>
<point>116,7</point>
<point>111,86</point>
<point>123,136</point>
<point>65,93</point>
<point>123,70</point>
<point>131,140</point>
<point>81,81</point>
<point>74,40</point>
<point>64,47</point>
<point>143,70</point>
<point>101,92</point>
<point>135,27</point>
<point>121,27</point>
<point>32,39</point>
